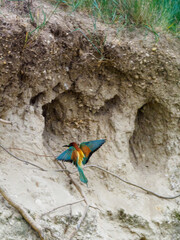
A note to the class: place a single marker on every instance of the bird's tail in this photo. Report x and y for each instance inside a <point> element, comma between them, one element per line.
<point>81,175</point>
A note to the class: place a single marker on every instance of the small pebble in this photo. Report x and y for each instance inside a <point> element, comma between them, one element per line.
<point>154,49</point>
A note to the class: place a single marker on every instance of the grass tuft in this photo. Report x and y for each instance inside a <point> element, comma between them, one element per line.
<point>152,13</point>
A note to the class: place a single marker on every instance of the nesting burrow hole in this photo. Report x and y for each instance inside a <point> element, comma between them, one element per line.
<point>148,144</point>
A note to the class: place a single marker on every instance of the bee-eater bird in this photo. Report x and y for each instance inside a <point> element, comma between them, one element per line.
<point>79,155</point>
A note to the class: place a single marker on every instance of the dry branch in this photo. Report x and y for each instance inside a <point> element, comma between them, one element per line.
<point>67,204</point>
<point>23,212</point>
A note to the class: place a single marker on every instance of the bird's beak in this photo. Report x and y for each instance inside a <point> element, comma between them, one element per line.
<point>65,146</point>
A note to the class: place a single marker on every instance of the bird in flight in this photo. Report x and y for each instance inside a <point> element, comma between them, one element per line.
<point>79,155</point>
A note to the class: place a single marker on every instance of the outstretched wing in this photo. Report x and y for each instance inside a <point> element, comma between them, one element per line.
<point>67,155</point>
<point>90,147</point>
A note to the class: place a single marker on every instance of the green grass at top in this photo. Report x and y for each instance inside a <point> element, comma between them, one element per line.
<point>151,13</point>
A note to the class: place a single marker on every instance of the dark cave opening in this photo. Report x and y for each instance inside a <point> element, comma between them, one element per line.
<point>34,100</point>
<point>148,144</point>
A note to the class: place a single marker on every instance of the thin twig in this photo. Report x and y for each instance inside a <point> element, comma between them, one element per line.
<point>32,164</point>
<point>133,184</point>
<point>21,160</point>
<point>23,212</point>
<point>22,149</point>
<point>5,121</point>
<point>91,206</point>
<point>67,204</point>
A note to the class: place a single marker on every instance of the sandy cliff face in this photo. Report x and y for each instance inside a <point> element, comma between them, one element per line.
<point>58,88</point>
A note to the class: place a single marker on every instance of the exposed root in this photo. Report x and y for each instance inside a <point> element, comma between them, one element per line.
<point>23,212</point>
<point>32,164</point>
<point>133,184</point>
<point>21,160</point>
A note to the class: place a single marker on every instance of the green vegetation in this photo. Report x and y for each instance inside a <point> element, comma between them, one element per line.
<point>154,15</point>
<point>176,215</point>
<point>149,13</point>
<point>132,220</point>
